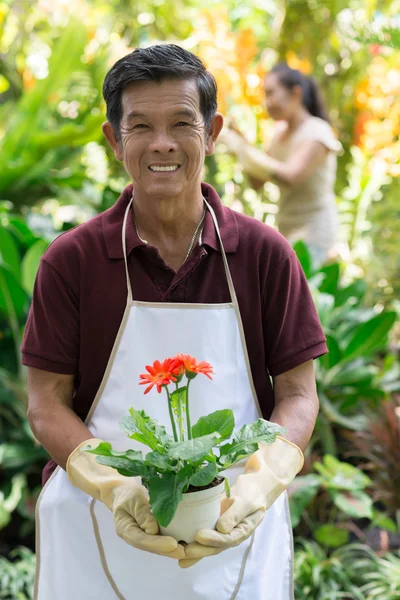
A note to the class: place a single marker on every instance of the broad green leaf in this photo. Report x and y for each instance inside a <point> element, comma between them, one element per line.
<point>205,476</point>
<point>9,255</point>
<point>128,463</point>
<point>18,484</point>
<point>178,400</point>
<point>160,462</point>
<point>140,427</point>
<point>352,373</point>
<point>356,504</point>
<point>369,336</point>
<point>356,290</point>
<point>193,450</point>
<point>304,257</point>
<point>227,460</point>
<point>21,231</point>
<point>220,421</point>
<point>339,475</point>
<point>30,264</point>
<point>380,519</point>
<point>13,298</point>
<point>330,282</point>
<point>332,536</point>
<point>334,353</point>
<point>5,516</point>
<point>125,466</point>
<point>301,492</point>
<point>332,413</point>
<point>259,431</point>
<point>165,494</point>
<point>17,455</point>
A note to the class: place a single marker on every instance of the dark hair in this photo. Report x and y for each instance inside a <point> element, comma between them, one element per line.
<point>157,63</point>
<point>312,98</point>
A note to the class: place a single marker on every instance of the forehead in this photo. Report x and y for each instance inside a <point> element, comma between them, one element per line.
<point>168,95</point>
<point>271,80</point>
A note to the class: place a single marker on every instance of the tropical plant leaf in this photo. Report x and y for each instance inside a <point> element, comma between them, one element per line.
<point>301,492</point>
<point>9,253</point>
<point>30,264</point>
<point>220,421</point>
<point>161,462</point>
<point>370,336</point>
<point>331,536</point>
<point>337,475</point>
<point>304,257</point>
<point>355,503</point>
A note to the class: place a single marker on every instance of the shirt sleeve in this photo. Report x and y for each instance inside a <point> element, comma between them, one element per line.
<point>292,330</point>
<point>51,337</point>
<point>320,131</point>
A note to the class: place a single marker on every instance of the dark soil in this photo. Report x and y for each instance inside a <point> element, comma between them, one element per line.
<point>214,483</point>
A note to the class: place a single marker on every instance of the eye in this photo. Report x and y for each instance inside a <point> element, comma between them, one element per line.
<point>140,126</point>
<point>182,124</point>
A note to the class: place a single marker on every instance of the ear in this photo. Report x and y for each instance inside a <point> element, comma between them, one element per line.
<point>109,134</point>
<point>215,130</point>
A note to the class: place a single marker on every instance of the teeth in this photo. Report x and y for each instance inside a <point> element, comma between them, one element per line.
<point>169,168</point>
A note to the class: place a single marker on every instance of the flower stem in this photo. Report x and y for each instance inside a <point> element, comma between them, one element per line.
<point>188,424</point>
<point>171,416</point>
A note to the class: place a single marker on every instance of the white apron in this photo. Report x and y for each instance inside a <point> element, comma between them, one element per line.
<point>79,555</point>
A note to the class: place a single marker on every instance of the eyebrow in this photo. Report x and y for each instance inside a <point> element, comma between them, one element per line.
<point>186,112</point>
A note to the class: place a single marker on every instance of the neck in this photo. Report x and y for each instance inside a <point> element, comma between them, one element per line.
<point>298,119</point>
<point>169,224</point>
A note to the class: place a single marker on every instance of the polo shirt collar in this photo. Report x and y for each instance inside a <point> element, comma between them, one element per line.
<point>113,217</point>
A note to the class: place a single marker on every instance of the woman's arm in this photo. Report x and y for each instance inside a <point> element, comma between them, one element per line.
<point>263,167</point>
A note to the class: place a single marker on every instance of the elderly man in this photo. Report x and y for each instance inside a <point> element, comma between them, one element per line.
<point>167,265</point>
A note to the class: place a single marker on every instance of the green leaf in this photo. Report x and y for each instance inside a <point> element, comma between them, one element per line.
<point>205,476</point>
<point>356,290</point>
<point>220,421</point>
<point>330,282</point>
<point>30,264</point>
<point>227,487</point>
<point>301,492</point>
<point>380,519</point>
<point>9,253</point>
<point>369,336</point>
<point>330,535</point>
<point>339,475</point>
<point>334,353</point>
<point>304,257</point>
<point>165,494</point>
<point>140,427</point>
<point>125,466</point>
<point>351,373</point>
<point>355,423</point>
<point>13,298</point>
<point>356,504</point>
<point>160,462</point>
<point>129,462</point>
<point>259,431</point>
<point>193,450</point>
<point>178,400</point>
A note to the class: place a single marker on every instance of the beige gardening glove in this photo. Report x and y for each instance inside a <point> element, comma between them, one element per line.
<point>268,472</point>
<point>125,497</point>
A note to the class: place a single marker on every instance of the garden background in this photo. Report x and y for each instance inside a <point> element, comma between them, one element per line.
<point>56,171</point>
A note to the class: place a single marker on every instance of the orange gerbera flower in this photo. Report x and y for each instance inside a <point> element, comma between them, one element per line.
<point>191,366</point>
<point>159,374</point>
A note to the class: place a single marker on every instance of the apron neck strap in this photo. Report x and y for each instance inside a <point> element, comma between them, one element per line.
<point>128,279</point>
<point>225,260</point>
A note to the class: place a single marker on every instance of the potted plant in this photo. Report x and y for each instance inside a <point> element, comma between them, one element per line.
<point>182,472</point>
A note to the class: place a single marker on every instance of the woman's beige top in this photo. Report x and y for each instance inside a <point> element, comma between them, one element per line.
<point>307,211</point>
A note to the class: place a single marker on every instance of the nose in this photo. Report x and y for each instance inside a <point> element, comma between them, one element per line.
<point>162,142</point>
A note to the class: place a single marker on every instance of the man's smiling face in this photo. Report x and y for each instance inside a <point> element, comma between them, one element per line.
<point>163,141</point>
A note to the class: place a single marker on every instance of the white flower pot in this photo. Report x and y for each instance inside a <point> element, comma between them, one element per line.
<point>197,510</point>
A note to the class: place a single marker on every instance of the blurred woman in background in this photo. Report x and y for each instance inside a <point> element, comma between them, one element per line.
<point>300,159</point>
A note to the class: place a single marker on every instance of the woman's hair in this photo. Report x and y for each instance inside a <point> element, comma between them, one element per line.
<point>312,98</point>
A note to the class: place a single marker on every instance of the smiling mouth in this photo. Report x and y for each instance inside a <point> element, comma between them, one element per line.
<point>163,169</point>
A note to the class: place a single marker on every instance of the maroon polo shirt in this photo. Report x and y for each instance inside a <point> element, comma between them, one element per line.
<point>80,295</point>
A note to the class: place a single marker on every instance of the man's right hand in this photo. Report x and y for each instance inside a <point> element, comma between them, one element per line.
<point>126,497</point>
